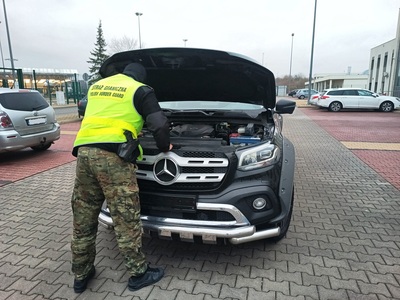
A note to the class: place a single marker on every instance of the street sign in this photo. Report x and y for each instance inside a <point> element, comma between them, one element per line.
<point>85,76</point>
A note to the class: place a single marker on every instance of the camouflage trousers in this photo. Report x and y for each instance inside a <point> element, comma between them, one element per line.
<point>102,175</point>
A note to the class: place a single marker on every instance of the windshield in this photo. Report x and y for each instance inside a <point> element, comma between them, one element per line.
<point>209,105</point>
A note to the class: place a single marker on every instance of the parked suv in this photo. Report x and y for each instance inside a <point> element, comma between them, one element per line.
<point>336,99</point>
<point>230,173</point>
<point>26,120</point>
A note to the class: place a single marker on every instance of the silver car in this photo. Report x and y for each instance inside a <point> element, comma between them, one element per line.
<point>26,120</point>
<point>303,93</point>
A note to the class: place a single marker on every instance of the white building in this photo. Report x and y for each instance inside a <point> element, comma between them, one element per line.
<point>384,75</point>
<point>322,82</point>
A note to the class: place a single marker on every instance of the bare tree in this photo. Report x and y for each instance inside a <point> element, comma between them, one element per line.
<point>122,44</point>
<point>296,81</point>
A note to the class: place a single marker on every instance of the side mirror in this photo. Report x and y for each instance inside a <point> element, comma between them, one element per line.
<point>284,106</point>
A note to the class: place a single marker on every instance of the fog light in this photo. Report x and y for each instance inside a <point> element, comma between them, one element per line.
<point>259,203</point>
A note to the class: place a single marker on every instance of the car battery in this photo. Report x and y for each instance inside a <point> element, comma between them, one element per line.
<point>243,140</point>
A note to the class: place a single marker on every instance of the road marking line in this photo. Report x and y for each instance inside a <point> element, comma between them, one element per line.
<point>372,146</point>
<point>69,132</point>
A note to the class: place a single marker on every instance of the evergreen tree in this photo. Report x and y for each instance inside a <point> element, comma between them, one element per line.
<point>98,56</point>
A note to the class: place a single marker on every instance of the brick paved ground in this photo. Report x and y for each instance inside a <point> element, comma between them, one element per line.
<point>58,154</point>
<point>343,242</point>
<point>377,132</point>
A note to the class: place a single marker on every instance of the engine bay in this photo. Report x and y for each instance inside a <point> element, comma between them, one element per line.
<point>230,134</point>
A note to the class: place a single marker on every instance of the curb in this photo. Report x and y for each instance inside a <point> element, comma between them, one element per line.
<point>70,118</point>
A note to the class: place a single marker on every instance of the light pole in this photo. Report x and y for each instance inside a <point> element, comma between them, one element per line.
<point>290,68</point>
<point>9,40</point>
<point>312,54</point>
<point>140,39</point>
<point>2,59</point>
<point>184,41</point>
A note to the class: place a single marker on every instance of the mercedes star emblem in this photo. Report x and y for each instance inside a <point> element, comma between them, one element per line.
<point>166,171</point>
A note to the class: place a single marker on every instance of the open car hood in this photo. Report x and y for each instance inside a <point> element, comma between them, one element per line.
<point>179,74</point>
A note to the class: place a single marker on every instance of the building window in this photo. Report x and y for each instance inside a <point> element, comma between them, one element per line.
<point>385,62</point>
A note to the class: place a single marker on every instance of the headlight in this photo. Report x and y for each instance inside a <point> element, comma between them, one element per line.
<point>258,157</point>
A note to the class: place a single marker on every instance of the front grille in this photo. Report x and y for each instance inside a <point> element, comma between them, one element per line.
<point>205,215</point>
<point>203,170</point>
<point>152,185</point>
<point>209,215</point>
<point>182,170</point>
<point>200,154</point>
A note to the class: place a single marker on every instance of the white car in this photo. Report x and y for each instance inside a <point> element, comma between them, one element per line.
<point>337,99</point>
<point>314,99</point>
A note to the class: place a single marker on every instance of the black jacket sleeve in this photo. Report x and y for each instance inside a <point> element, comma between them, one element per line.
<point>147,106</point>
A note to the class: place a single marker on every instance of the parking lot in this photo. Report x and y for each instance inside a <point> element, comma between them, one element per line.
<point>343,242</point>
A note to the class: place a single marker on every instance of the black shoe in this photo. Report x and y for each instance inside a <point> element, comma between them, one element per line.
<point>152,275</point>
<point>80,285</point>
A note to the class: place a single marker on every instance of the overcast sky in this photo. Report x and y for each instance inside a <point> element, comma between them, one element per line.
<point>61,33</point>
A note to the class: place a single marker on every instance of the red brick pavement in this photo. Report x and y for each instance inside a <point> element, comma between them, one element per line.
<point>365,126</point>
<point>358,126</point>
<point>21,164</point>
<point>386,163</point>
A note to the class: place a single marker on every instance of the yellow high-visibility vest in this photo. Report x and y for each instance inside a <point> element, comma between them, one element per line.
<point>110,111</point>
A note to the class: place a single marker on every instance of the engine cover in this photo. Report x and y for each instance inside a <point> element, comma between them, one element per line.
<point>192,130</point>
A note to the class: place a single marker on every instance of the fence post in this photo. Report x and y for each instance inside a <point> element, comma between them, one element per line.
<point>49,91</point>
<point>20,78</point>
<point>34,78</point>
<point>66,91</point>
<point>76,88</point>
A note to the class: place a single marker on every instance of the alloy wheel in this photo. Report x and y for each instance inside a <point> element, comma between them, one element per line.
<point>335,106</point>
<point>386,107</point>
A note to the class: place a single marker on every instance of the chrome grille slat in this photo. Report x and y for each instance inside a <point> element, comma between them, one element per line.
<point>186,161</point>
<point>212,168</point>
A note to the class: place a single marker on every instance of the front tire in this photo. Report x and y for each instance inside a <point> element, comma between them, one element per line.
<point>335,106</point>
<point>386,106</point>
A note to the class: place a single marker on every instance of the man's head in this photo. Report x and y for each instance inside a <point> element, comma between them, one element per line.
<point>136,71</point>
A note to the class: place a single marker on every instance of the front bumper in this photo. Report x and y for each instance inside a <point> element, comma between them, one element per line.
<point>237,231</point>
<point>229,214</point>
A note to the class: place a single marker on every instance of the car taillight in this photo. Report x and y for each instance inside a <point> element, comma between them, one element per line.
<point>5,121</point>
<point>324,97</point>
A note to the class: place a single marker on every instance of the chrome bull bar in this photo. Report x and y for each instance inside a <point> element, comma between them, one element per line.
<point>236,232</point>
